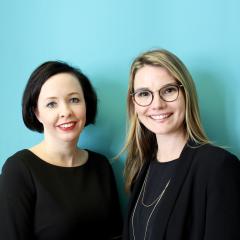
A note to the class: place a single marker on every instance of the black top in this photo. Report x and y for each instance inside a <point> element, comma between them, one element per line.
<point>155,184</point>
<point>42,201</point>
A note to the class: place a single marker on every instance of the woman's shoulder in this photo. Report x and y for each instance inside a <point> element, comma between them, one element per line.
<point>96,155</point>
<point>17,159</point>
<point>217,166</point>
<point>212,156</point>
<point>215,152</point>
<point>97,158</point>
<point>15,170</point>
<point>99,163</point>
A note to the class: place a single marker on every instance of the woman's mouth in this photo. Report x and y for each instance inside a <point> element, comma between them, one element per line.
<point>67,126</point>
<point>160,116</point>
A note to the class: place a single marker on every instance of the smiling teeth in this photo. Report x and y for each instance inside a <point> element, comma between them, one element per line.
<point>67,125</point>
<point>159,117</point>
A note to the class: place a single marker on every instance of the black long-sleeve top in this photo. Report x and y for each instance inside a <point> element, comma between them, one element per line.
<point>42,201</point>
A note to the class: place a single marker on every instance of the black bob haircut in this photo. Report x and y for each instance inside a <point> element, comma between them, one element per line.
<point>39,76</point>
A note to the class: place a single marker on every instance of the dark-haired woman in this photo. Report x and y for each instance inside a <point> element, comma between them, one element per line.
<point>55,190</point>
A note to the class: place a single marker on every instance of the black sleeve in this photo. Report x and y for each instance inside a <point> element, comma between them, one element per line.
<point>115,221</point>
<point>223,201</point>
<point>16,201</point>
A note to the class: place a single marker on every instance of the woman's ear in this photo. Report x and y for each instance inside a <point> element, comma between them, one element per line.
<point>36,112</point>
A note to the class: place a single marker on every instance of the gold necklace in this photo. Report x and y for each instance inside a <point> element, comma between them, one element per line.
<point>144,188</point>
<point>157,200</point>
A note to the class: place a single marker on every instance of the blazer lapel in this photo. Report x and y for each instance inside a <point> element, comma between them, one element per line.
<point>170,195</point>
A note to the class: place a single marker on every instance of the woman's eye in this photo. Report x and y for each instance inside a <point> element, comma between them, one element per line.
<point>169,90</point>
<point>74,100</point>
<point>143,94</point>
<point>51,105</point>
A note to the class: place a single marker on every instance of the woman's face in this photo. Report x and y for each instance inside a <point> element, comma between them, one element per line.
<point>160,117</point>
<point>61,108</point>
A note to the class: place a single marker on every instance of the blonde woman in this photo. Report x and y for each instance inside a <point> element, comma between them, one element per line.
<point>182,187</point>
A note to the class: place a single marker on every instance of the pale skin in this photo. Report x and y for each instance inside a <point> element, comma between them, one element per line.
<point>61,109</point>
<point>165,119</point>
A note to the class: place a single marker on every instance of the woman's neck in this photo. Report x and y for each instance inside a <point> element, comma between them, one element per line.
<point>170,146</point>
<point>66,155</point>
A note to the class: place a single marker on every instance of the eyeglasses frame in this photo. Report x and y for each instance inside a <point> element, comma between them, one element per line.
<point>178,85</point>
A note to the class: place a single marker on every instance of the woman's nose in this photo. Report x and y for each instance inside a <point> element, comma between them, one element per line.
<point>65,110</point>
<point>157,101</point>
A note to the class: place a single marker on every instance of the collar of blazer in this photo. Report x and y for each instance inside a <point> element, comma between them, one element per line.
<point>173,190</point>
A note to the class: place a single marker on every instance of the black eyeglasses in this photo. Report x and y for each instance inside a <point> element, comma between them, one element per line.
<point>168,93</point>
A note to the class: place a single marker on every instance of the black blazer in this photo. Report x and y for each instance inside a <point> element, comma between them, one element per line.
<point>202,201</point>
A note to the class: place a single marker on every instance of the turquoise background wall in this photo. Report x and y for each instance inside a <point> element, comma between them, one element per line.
<point>102,38</point>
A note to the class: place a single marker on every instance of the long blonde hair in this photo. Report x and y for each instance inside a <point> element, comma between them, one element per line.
<point>141,143</point>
